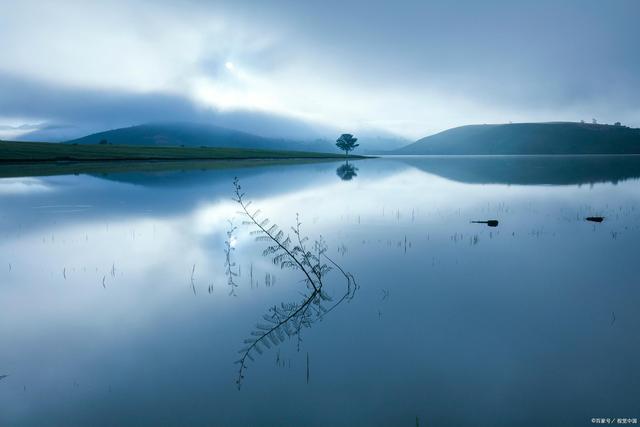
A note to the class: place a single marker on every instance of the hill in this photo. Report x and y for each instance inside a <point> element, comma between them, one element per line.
<point>529,138</point>
<point>189,134</point>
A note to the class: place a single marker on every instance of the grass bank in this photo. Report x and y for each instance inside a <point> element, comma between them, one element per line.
<point>35,152</point>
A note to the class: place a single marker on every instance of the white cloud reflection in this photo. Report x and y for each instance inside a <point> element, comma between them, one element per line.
<point>23,186</point>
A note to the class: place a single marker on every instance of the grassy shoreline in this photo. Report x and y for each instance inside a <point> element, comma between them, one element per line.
<point>38,152</point>
<point>21,159</point>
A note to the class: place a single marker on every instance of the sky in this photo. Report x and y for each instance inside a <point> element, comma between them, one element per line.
<point>307,69</point>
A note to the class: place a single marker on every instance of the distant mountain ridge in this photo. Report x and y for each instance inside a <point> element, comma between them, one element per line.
<point>197,135</point>
<point>529,139</point>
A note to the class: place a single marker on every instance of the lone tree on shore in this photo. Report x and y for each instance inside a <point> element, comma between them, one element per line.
<point>346,143</point>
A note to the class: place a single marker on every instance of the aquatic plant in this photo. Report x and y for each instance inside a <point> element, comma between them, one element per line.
<point>293,252</point>
<point>230,265</point>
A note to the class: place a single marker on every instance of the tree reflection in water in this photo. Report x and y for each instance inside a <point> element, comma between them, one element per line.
<point>347,171</point>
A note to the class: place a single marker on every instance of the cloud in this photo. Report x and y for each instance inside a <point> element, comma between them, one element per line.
<point>74,112</point>
<point>409,67</point>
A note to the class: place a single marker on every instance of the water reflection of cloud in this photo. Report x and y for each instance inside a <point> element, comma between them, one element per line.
<point>11,186</point>
<point>149,336</point>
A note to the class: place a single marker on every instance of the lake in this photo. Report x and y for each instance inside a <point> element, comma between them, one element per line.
<point>126,298</point>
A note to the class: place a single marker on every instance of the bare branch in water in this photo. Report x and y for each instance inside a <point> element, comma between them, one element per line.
<point>288,319</point>
<point>230,265</point>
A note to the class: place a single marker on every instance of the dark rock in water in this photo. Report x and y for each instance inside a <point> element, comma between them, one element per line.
<point>490,222</point>
<point>595,218</point>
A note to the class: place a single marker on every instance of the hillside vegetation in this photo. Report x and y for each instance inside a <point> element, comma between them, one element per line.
<point>529,138</point>
<point>11,151</point>
<point>197,135</point>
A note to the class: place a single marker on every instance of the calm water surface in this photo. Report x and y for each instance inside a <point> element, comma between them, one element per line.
<point>115,308</point>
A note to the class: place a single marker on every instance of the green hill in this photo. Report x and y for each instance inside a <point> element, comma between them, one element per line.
<point>196,135</point>
<point>529,138</point>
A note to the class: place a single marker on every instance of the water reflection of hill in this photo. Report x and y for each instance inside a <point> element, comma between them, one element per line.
<point>142,172</point>
<point>529,170</point>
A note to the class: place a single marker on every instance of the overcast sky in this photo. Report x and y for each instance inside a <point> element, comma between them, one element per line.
<point>410,68</point>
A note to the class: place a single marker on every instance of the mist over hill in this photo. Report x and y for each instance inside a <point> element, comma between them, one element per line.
<point>197,135</point>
